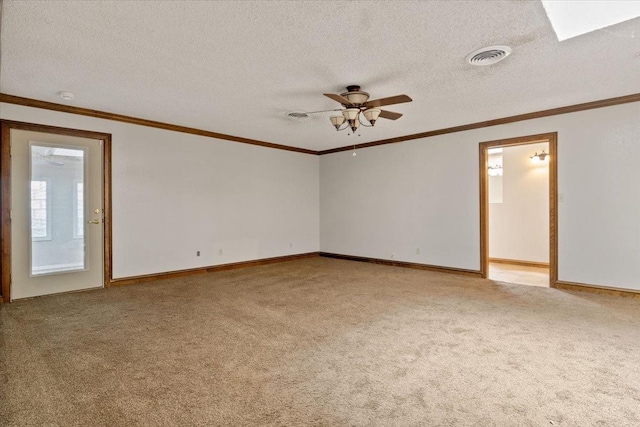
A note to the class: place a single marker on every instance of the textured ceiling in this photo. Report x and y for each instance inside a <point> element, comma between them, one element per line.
<point>239,67</point>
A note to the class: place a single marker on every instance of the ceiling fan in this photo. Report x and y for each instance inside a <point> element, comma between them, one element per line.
<point>356,104</point>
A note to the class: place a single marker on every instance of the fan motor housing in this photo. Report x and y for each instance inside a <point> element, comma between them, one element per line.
<point>355,95</point>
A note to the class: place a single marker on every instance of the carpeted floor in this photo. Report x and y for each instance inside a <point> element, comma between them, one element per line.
<point>321,342</point>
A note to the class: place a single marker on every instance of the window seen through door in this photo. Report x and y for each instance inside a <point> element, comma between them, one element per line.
<point>40,223</point>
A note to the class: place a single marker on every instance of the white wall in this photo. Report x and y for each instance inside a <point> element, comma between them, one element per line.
<point>389,199</point>
<point>425,194</point>
<point>519,225</point>
<point>175,194</point>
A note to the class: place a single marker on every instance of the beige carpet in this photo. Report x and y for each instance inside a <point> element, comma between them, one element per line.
<point>321,342</point>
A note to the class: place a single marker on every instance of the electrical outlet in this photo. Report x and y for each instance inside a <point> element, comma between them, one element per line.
<point>198,253</point>
<point>418,251</point>
<point>220,252</point>
<point>290,245</point>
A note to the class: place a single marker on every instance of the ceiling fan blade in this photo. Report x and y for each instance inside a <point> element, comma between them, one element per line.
<point>338,98</point>
<point>398,99</point>
<point>389,115</point>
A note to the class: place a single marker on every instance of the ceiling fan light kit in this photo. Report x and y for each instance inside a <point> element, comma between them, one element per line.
<point>356,104</point>
<point>372,115</point>
<point>351,113</point>
<point>337,121</point>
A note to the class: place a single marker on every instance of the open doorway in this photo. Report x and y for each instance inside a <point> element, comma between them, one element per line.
<point>518,210</point>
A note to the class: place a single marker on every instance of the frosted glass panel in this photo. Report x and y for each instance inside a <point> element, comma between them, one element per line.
<point>57,209</point>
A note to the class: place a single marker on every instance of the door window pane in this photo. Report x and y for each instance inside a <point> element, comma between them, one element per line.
<point>79,225</point>
<point>57,209</point>
<point>40,222</point>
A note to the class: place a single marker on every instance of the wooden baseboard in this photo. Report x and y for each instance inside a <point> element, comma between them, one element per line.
<point>203,270</point>
<point>519,262</point>
<point>436,268</point>
<point>581,287</point>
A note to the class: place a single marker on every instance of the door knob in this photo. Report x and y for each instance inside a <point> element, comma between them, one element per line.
<point>94,221</point>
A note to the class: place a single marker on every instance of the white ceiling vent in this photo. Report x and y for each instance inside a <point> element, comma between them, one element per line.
<point>488,55</point>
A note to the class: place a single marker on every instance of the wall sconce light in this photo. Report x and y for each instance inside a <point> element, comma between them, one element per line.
<point>495,170</point>
<point>539,158</point>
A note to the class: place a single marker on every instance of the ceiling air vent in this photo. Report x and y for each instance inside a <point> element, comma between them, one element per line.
<point>297,115</point>
<point>488,55</point>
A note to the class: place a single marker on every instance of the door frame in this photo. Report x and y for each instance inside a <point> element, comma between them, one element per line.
<point>552,139</point>
<point>5,195</point>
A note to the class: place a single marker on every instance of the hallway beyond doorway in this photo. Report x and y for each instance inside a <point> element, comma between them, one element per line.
<point>519,274</point>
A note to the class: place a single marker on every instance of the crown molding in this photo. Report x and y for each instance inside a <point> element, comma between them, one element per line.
<point>28,102</point>
<point>511,119</point>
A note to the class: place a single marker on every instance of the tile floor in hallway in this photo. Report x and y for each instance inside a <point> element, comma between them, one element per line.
<point>519,274</point>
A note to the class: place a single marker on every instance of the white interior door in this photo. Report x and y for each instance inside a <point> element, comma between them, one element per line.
<point>56,214</point>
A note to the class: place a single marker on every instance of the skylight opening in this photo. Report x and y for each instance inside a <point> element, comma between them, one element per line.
<point>575,18</point>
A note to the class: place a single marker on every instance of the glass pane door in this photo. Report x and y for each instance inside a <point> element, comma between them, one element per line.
<point>57,209</point>
<point>57,224</point>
